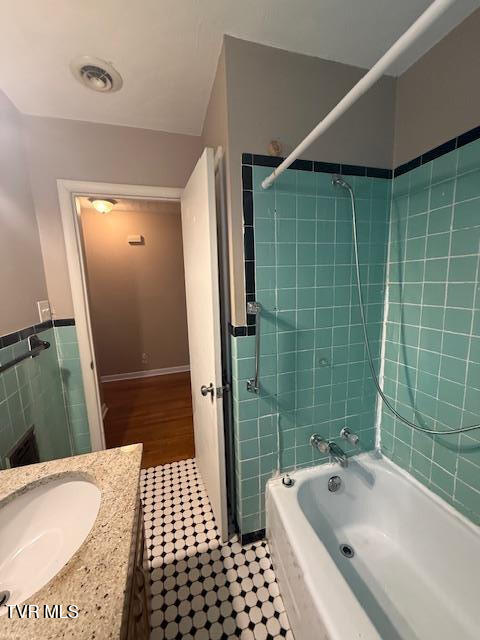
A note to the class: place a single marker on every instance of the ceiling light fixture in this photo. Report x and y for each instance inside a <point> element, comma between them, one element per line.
<point>103,205</point>
<point>96,74</point>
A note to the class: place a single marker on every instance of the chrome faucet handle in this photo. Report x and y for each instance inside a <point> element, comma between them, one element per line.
<point>320,443</point>
<point>349,436</point>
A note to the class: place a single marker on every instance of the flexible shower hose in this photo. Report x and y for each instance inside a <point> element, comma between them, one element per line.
<point>449,432</point>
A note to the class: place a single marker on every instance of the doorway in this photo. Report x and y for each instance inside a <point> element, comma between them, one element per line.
<point>136,291</point>
<point>207,297</point>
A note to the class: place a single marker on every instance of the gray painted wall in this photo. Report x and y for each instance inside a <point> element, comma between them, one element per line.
<point>77,150</point>
<point>22,279</point>
<point>438,98</point>
<point>276,94</point>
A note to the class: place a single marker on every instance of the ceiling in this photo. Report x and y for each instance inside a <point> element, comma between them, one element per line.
<point>167,50</point>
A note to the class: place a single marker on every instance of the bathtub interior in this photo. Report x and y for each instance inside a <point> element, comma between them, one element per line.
<point>411,552</point>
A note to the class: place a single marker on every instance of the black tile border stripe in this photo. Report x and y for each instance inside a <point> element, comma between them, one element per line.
<point>43,326</point>
<point>408,166</point>
<point>313,165</point>
<point>326,167</point>
<point>437,152</point>
<point>241,330</point>
<point>10,339</point>
<point>468,136</point>
<point>248,244</point>
<point>255,536</point>
<point>237,332</point>
<point>359,170</point>
<point>252,159</point>
<point>446,147</point>
<point>64,322</point>
<point>378,172</point>
<point>247,180</point>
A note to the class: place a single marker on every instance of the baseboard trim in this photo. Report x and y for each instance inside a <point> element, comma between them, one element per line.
<point>145,374</point>
<point>254,536</point>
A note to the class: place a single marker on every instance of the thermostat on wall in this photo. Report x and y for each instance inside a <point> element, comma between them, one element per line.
<point>135,239</point>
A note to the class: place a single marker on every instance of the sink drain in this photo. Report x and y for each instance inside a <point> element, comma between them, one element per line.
<point>4,598</point>
<point>347,551</point>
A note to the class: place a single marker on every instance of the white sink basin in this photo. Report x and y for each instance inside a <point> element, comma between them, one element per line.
<point>40,530</point>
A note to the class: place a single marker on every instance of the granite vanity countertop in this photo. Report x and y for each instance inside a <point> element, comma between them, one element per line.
<point>97,575</point>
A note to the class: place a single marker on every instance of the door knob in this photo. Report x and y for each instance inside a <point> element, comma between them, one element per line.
<point>206,390</point>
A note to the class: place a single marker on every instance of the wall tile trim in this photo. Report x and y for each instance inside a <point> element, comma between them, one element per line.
<point>9,339</point>
<point>248,161</point>
<point>311,165</point>
<point>64,322</point>
<point>17,336</point>
<point>436,152</point>
<point>252,159</point>
<point>254,536</point>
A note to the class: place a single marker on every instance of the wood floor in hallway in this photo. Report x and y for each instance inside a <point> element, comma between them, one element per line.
<point>156,411</point>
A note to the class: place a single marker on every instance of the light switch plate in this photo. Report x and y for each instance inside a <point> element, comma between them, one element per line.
<point>44,311</point>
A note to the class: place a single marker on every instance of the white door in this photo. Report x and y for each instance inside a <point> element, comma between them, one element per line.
<point>199,229</point>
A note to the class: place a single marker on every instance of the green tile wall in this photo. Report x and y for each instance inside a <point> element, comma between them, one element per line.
<point>432,349</point>
<point>31,394</point>
<point>71,375</point>
<point>314,376</point>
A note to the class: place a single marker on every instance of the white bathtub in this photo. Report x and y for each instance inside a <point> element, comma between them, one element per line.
<point>415,574</point>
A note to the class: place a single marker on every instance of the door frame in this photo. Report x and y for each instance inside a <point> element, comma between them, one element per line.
<point>225,320</point>
<point>68,190</point>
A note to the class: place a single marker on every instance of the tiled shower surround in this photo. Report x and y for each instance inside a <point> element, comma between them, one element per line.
<point>314,375</point>
<point>432,350</point>
<point>45,392</point>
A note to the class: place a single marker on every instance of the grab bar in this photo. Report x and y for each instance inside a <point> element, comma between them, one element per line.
<point>35,347</point>
<point>253,309</point>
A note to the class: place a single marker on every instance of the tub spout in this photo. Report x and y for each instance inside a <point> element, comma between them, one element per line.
<point>330,447</point>
<point>338,454</point>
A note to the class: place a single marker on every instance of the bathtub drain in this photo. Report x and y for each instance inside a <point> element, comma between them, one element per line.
<point>347,550</point>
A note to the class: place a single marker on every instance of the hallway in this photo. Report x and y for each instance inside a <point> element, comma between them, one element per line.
<point>156,411</point>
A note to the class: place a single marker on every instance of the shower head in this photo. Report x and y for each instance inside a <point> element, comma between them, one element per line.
<point>337,181</point>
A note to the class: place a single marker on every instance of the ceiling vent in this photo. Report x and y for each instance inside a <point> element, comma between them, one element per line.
<point>96,74</point>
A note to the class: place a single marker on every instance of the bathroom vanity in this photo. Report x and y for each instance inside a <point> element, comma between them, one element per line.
<point>72,549</point>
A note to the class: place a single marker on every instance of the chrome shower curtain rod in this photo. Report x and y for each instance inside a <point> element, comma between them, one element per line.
<point>428,17</point>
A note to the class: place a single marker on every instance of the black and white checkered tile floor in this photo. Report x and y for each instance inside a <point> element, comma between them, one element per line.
<point>203,589</point>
